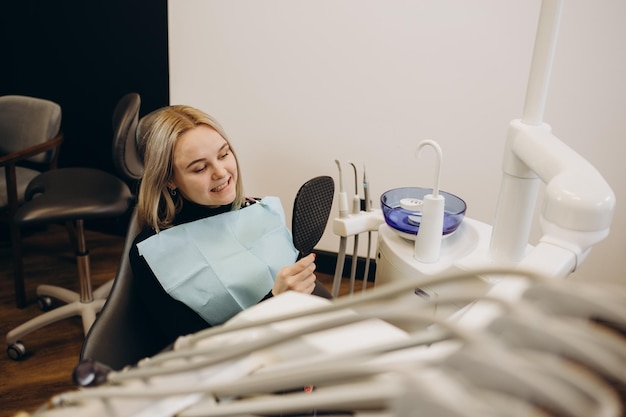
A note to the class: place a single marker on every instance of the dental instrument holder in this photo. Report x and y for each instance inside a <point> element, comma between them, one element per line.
<point>430,232</point>
<point>352,225</point>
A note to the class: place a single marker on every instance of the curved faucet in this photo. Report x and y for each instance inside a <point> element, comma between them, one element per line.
<point>430,232</point>
<point>437,148</point>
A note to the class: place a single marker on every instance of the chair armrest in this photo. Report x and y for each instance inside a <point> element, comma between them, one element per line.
<point>26,153</point>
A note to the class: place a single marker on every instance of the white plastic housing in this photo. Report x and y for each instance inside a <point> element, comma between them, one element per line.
<point>578,200</point>
<point>429,235</point>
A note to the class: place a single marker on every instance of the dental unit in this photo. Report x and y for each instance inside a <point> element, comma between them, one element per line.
<point>576,213</point>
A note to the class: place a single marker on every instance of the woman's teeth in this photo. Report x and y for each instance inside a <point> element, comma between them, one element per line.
<point>221,187</point>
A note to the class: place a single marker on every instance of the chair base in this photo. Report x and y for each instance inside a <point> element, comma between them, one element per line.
<point>74,307</point>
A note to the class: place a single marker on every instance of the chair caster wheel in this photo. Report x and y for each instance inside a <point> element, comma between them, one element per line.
<point>45,302</point>
<point>16,351</point>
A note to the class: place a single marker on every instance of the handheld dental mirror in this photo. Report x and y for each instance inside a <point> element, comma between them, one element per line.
<point>311,209</point>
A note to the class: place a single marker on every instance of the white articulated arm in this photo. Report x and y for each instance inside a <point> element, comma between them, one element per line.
<point>579,204</point>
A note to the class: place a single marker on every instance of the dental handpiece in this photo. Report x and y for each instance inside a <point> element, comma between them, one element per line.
<point>343,198</point>
<point>366,191</point>
<point>356,200</point>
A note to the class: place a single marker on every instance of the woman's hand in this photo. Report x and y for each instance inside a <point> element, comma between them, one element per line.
<point>297,277</point>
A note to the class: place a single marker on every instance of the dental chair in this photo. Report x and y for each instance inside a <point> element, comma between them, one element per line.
<point>72,196</point>
<point>122,334</point>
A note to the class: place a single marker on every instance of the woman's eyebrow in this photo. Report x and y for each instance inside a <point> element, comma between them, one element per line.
<point>195,161</point>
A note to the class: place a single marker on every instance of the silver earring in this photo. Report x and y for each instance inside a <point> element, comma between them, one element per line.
<point>172,192</point>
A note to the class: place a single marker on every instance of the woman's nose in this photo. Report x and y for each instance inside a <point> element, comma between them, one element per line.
<point>219,171</point>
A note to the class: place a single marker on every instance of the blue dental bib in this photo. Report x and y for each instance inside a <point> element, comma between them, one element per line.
<point>220,265</point>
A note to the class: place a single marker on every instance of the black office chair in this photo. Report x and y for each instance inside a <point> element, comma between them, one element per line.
<point>73,196</point>
<point>30,141</point>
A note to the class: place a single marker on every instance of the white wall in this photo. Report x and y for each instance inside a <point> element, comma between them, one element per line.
<point>300,83</point>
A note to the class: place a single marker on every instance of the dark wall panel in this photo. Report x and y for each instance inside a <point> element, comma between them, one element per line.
<point>85,55</point>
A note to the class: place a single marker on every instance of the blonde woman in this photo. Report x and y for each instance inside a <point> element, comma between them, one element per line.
<point>206,251</point>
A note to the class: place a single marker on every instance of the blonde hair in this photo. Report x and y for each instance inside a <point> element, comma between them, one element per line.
<point>156,207</point>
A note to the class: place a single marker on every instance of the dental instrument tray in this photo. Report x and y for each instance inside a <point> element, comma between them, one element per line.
<point>402,210</point>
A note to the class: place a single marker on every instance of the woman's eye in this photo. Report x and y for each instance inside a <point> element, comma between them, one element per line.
<point>224,155</point>
<point>201,169</point>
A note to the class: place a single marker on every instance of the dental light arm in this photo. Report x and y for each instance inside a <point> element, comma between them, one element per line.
<point>576,213</point>
<point>579,204</point>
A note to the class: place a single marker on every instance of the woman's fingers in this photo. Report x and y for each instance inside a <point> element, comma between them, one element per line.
<point>297,277</point>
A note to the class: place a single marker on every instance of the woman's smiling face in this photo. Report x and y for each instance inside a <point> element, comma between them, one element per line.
<point>205,169</point>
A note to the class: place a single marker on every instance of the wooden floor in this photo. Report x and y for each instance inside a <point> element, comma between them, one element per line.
<point>53,350</point>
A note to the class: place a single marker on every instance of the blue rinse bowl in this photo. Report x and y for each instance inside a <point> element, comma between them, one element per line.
<point>407,221</point>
